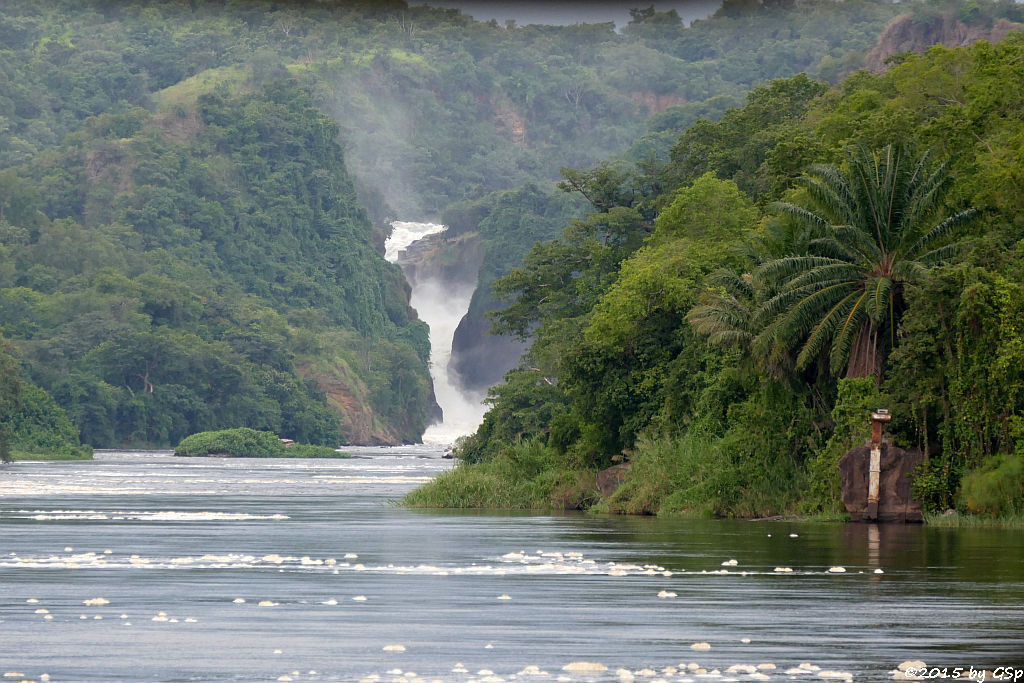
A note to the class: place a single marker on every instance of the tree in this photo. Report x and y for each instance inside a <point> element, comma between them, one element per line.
<point>10,396</point>
<point>880,225</point>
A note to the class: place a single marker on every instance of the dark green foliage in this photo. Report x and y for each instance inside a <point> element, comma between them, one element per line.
<point>170,309</point>
<point>249,443</point>
<point>675,476</point>
<point>213,217</point>
<point>239,443</point>
<point>11,389</point>
<point>40,426</point>
<point>876,226</point>
<point>760,146</point>
<point>856,397</point>
<point>996,488</point>
<point>31,423</point>
<point>524,475</point>
<point>680,354</point>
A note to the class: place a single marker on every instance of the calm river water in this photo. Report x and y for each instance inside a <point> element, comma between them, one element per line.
<point>142,566</point>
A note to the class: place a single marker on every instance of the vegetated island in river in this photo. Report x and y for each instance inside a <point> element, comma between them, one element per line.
<point>250,443</point>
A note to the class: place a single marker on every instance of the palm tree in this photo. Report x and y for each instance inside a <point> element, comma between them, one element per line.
<point>878,226</point>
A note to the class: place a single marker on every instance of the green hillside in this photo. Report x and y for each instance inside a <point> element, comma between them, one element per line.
<point>862,249</point>
<point>167,274</point>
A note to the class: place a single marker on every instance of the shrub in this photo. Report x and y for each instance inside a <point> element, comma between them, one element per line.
<point>687,475</point>
<point>41,428</point>
<point>995,488</point>
<point>521,477</point>
<point>240,443</point>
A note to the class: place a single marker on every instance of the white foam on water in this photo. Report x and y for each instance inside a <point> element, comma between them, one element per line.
<point>140,515</point>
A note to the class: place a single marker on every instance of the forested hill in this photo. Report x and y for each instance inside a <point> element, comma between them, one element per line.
<point>182,247</point>
<point>172,273</point>
<point>814,255</point>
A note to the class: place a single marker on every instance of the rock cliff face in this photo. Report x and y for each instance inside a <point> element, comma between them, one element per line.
<point>438,257</point>
<point>359,424</point>
<point>479,358</point>
<point>907,34</point>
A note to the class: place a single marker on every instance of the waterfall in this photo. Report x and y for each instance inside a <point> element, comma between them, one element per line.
<point>440,305</point>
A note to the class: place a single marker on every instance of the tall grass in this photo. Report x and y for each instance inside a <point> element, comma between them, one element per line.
<point>522,477</point>
<point>995,488</point>
<point>1015,520</point>
<point>698,475</point>
<point>84,453</point>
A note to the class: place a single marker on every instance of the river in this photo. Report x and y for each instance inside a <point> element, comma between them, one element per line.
<point>142,566</point>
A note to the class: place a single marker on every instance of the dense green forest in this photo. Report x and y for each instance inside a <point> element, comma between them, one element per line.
<point>160,286</point>
<point>725,322</point>
<point>181,245</point>
<point>194,196</point>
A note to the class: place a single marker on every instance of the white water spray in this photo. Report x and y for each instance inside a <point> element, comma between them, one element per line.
<point>440,305</point>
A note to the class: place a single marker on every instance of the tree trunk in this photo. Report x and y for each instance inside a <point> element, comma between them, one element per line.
<point>865,360</point>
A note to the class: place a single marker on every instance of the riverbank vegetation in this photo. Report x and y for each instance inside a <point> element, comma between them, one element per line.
<point>181,247</point>
<point>184,244</point>
<point>723,324</point>
<point>32,425</point>
<point>243,442</point>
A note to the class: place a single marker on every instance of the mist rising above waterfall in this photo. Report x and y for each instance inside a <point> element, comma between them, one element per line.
<point>441,304</point>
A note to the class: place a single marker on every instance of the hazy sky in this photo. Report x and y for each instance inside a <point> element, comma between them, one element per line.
<point>571,11</point>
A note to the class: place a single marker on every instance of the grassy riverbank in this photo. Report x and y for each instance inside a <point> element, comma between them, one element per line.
<point>22,456</point>
<point>524,477</point>
<point>968,521</point>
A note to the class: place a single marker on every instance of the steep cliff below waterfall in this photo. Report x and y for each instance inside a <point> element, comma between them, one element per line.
<point>908,33</point>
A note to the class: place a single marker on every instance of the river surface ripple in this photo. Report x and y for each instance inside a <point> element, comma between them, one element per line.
<point>142,566</point>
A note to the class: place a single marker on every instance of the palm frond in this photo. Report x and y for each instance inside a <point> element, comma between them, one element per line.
<point>944,229</point>
<point>832,273</point>
<point>844,337</point>
<point>733,282</point>
<point>867,179</point>
<point>912,272</point>
<point>859,241</point>
<point>880,290</point>
<point>784,268</point>
<point>806,313</point>
<point>939,255</point>
<point>789,299</point>
<point>926,195</point>
<point>831,248</point>
<point>801,215</point>
<point>823,330</point>
<point>830,191</point>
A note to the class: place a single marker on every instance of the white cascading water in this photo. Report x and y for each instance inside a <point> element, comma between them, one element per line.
<point>441,306</point>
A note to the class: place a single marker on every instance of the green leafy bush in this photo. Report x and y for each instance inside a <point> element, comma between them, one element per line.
<point>240,443</point>
<point>687,475</point>
<point>250,443</point>
<point>40,428</point>
<point>995,488</point>
<point>524,476</point>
